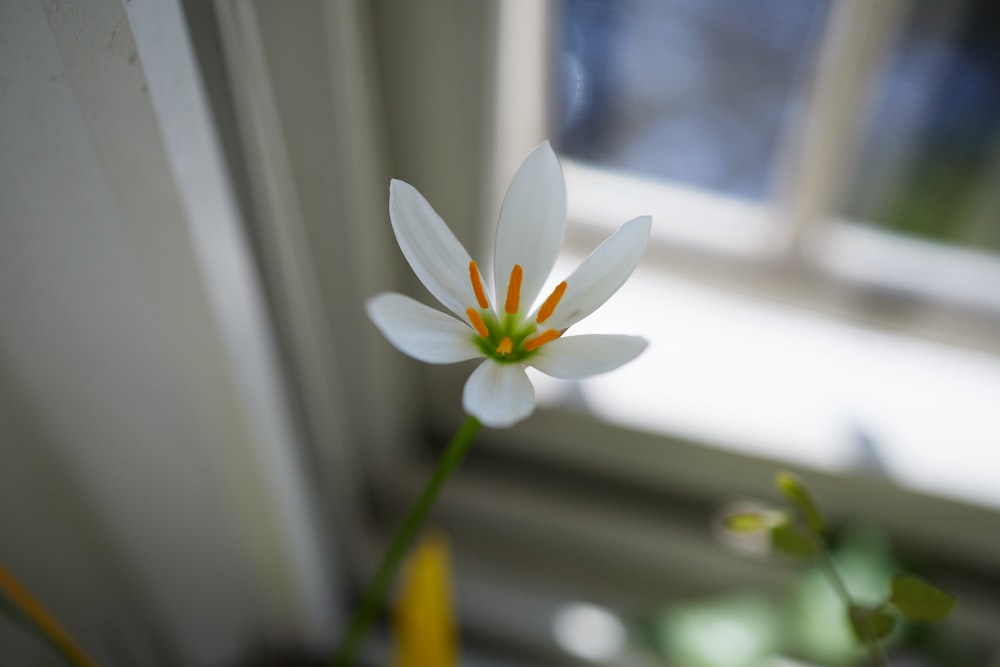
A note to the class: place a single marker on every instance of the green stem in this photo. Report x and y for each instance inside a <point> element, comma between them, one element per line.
<point>367,611</point>
<point>826,564</point>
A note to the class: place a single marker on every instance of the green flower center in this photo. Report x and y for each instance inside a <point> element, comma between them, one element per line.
<point>507,337</point>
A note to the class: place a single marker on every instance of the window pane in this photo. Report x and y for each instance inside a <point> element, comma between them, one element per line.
<point>930,161</point>
<point>694,91</point>
<point>701,94</point>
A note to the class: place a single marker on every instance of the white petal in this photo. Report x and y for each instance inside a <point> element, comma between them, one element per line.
<point>435,255</point>
<point>420,331</point>
<point>578,357</point>
<point>532,224</point>
<point>602,273</point>
<point>499,395</point>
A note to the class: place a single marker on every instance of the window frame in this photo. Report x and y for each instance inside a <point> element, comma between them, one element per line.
<point>784,267</point>
<point>514,510</point>
<point>685,479</point>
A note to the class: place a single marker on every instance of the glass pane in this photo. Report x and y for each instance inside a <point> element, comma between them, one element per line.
<point>930,162</point>
<point>694,91</point>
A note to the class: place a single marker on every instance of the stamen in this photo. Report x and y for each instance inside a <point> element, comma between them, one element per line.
<point>549,306</point>
<point>514,289</point>
<point>477,322</point>
<point>477,285</point>
<point>547,336</point>
<point>505,346</point>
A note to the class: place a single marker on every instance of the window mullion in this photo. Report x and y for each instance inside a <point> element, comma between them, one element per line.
<point>519,89</point>
<point>819,150</point>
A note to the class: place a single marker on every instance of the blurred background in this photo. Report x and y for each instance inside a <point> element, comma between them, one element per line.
<point>204,443</point>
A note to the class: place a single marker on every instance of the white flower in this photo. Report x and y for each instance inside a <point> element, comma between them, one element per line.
<point>502,328</point>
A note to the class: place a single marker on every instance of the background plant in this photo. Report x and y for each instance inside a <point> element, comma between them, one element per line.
<point>800,531</point>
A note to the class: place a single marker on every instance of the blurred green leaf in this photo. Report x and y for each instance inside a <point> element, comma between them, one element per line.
<point>796,493</point>
<point>919,600</point>
<point>789,540</point>
<point>750,522</point>
<point>870,623</point>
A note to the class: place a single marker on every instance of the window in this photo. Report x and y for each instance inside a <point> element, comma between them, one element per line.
<point>794,320</point>
<point>697,94</point>
<point>690,106</point>
<point>791,324</point>
<point>929,149</point>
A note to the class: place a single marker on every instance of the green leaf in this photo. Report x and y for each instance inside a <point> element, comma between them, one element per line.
<point>870,623</point>
<point>789,540</point>
<point>749,522</point>
<point>796,493</point>
<point>919,600</point>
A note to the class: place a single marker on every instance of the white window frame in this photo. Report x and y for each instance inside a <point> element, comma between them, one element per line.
<point>799,238</point>
<point>149,403</point>
<point>524,543</point>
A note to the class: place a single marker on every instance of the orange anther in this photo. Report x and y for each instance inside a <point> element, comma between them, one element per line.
<point>505,346</point>
<point>549,306</point>
<point>547,336</point>
<point>477,322</point>
<point>514,289</point>
<point>477,285</point>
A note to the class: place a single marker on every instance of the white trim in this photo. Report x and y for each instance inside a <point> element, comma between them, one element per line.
<point>289,262</point>
<point>231,281</point>
<point>820,150</point>
<point>520,96</point>
<point>158,387</point>
<point>937,272</point>
<point>683,216</point>
<point>324,248</point>
<point>729,243</point>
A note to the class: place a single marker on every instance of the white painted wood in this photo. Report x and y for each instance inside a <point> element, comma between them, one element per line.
<point>134,332</point>
<point>520,95</point>
<point>820,153</point>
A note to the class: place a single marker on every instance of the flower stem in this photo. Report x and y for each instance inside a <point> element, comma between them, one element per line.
<point>35,616</point>
<point>366,612</point>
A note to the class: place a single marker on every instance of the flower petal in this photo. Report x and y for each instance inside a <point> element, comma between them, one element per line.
<point>435,255</point>
<point>579,357</point>
<point>602,273</point>
<point>532,224</point>
<point>421,331</point>
<point>499,395</point>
